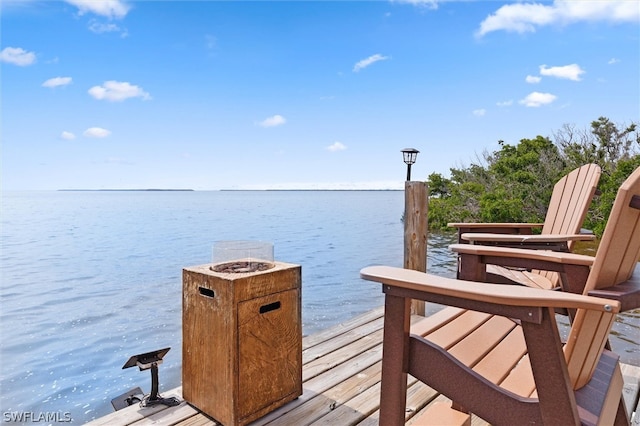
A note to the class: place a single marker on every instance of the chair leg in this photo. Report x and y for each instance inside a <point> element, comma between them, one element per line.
<point>557,399</point>
<point>621,415</point>
<point>393,393</point>
<point>471,268</point>
<point>622,418</point>
<point>459,407</point>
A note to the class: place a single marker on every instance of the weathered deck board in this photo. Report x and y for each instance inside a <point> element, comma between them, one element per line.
<point>631,389</point>
<point>341,373</point>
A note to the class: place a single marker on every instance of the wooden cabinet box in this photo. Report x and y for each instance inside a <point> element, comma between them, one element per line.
<point>241,341</point>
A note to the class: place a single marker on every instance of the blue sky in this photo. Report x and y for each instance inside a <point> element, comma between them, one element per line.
<point>247,95</point>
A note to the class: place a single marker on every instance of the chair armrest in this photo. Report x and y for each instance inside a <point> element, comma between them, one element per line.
<point>488,293</point>
<point>517,253</point>
<point>505,225</point>
<point>483,237</point>
<point>555,242</point>
<point>627,293</point>
<point>573,268</point>
<point>495,228</point>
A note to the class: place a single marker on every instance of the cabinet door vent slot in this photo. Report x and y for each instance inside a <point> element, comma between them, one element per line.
<point>269,307</point>
<point>206,292</point>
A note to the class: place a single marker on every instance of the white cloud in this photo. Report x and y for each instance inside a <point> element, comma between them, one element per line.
<point>107,8</point>
<point>17,56</point>
<point>100,27</point>
<point>68,136</point>
<point>536,99</point>
<point>533,79</point>
<point>526,17</point>
<point>276,120</point>
<point>609,10</point>
<point>57,81</point>
<point>96,132</point>
<point>479,112</point>
<point>518,17</point>
<point>505,103</point>
<point>116,91</point>
<point>368,61</point>
<point>613,61</point>
<point>431,4</point>
<point>337,146</point>
<point>569,72</point>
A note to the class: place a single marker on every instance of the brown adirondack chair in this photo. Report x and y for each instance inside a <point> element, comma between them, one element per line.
<point>496,350</point>
<point>567,210</point>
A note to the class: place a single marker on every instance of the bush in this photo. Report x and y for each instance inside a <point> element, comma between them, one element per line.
<point>514,184</point>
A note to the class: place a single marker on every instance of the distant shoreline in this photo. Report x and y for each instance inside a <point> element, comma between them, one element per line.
<point>150,189</point>
<point>309,190</point>
<point>227,190</point>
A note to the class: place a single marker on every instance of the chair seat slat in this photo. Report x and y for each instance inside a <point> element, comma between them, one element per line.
<point>522,277</point>
<point>482,340</point>
<point>453,332</point>
<point>498,363</point>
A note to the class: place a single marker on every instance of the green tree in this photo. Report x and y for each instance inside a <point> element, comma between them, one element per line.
<point>604,144</point>
<point>514,183</point>
<point>614,148</point>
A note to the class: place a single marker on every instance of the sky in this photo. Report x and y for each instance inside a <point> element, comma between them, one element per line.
<point>207,95</point>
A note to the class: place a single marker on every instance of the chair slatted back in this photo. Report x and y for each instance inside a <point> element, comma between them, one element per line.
<point>619,249</point>
<point>569,205</point>
<point>570,200</point>
<point>615,261</point>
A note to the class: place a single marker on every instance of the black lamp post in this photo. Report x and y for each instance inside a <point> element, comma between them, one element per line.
<point>409,155</point>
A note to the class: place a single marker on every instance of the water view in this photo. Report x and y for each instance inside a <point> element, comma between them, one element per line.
<point>91,278</point>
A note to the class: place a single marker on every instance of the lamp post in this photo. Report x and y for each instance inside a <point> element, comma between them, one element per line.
<point>416,207</point>
<point>409,155</point>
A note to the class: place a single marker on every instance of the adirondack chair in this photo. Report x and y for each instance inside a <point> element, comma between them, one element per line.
<point>567,210</point>
<point>496,350</point>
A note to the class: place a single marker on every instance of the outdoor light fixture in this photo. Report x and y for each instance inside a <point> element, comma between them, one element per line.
<point>151,360</point>
<point>409,155</point>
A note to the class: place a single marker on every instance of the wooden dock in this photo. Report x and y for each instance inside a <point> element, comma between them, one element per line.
<point>341,382</point>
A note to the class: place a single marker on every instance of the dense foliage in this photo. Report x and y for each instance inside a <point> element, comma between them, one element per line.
<point>514,184</point>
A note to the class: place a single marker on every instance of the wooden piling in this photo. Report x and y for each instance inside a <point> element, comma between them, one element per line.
<point>416,207</point>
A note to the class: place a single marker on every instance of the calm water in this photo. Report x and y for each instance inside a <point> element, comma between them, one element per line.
<point>91,278</point>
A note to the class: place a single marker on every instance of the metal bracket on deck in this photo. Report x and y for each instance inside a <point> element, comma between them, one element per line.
<point>130,397</point>
<point>146,361</point>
